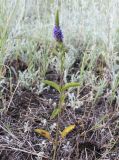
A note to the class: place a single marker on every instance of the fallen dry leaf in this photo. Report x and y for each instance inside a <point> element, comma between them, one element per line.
<point>43,133</point>
<point>67,130</point>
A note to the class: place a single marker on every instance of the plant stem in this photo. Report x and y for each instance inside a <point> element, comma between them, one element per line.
<point>60,104</point>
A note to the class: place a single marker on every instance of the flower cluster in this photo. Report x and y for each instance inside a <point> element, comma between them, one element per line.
<point>57,33</point>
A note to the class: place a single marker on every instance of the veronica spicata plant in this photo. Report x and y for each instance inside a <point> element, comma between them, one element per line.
<point>61,88</point>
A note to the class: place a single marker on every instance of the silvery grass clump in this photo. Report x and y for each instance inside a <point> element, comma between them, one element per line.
<point>78,22</point>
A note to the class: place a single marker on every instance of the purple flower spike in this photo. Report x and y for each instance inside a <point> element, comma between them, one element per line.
<point>57,33</point>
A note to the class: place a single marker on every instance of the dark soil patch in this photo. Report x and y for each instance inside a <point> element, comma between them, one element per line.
<point>12,67</point>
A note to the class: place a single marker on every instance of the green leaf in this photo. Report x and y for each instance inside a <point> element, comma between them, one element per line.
<point>69,85</point>
<point>55,113</point>
<point>53,84</point>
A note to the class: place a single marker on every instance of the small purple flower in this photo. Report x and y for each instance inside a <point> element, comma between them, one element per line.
<point>57,33</point>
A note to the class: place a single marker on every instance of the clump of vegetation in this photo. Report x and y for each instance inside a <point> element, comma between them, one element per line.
<point>59,94</point>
